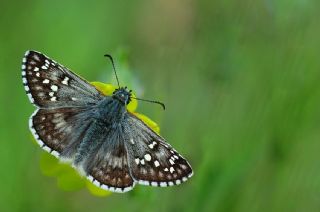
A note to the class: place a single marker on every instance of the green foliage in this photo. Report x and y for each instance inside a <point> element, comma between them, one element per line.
<point>240,80</point>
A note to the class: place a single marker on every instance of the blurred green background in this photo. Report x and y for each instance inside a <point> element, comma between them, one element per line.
<point>240,80</point>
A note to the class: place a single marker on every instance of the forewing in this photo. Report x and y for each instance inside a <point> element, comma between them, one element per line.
<point>59,131</point>
<point>152,160</point>
<point>108,168</point>
<point>50,85</point>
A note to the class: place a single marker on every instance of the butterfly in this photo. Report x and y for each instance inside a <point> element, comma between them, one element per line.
<point>105,142</point>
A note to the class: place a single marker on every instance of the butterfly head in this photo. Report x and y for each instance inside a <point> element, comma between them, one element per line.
<point>123,95</point>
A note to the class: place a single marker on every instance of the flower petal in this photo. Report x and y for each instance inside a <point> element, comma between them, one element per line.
<point>70,181</point>
<point>106,89</point>
<point>96,190</point>
<point>153,125</point>
<point>67,177</point>
<point>50,166</point>
<point>132,106</point>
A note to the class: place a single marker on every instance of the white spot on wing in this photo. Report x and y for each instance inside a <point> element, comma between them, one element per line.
<point>112,189</point>
<point>142,162</point>
<point>36,57</point>
<point>147,157</point>
<point>40,94</point>
<point>127,189</point>
<point>90,178</point>
<point>118,190</point>
<point>171,169</point>
<point>54,87</point>
<point>55,153</point>
<point>131,141</point>
<point>105,187</point>
<point>95,182</point>
<point>48,149</point>
<point>171,161</point>
<point>143,182</point>
<point>46,81</point>
<point>65,81</point>
<point>152,144</point>
<point>163,184</point>
<point>137,160</point>
<point>156,163</point>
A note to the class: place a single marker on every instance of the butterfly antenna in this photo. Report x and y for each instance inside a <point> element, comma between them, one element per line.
<point>152,101</point>
<point>114,68</point>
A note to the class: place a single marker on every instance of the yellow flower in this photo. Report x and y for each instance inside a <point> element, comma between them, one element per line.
<point>68,179</point>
